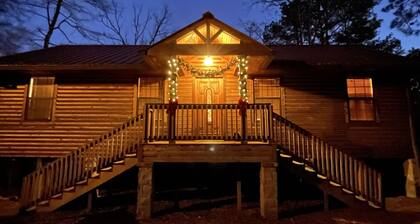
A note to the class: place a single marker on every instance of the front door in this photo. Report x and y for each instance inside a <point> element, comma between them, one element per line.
<point>208,91</point>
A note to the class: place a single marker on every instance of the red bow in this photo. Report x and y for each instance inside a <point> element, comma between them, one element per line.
<point>172,107</point>
<point>242,106</point>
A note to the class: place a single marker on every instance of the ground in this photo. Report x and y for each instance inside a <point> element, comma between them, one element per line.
<point>399,211</point>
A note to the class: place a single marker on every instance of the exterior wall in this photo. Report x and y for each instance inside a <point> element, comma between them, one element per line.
<point>82,112</point>
<point>318,104</point>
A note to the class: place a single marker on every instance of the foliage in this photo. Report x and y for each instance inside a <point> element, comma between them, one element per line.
<point>406,15</point>
<point>322,22</point>
<point>414,53</point>
<point>389,45</point>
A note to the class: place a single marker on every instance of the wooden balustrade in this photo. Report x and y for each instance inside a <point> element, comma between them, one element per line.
<point>204,122</point>
<point>55,177</point>
<point>208,122</point>
<point>339,168</point>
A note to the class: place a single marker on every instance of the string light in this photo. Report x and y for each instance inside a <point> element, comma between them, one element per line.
<point>173,75</point>
<point>242,77</point>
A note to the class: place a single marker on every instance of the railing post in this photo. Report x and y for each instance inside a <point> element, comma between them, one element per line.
<point>146,123</point>
<point>270,123</point>
<point>244,126</point>
<point>171,123</point>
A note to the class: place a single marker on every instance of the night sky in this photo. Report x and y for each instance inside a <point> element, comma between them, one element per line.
<point>232,12</point>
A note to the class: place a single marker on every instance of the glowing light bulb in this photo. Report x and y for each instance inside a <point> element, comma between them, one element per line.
<point>208,61</point>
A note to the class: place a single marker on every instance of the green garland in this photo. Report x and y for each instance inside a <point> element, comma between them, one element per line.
<point>242,78</point>
<point>207,73</point>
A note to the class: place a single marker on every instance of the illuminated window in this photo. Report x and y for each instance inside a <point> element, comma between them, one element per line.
<point>213,30</point>
<point>40,100</point>
<point>190,38</point>
<point>226,38</point>
<point>202,30</point>
<point>268,91</point>
<point>360,99</point>
<point>209,33</point>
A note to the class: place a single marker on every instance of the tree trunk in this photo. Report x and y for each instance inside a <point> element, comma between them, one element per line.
<point>52,23</point>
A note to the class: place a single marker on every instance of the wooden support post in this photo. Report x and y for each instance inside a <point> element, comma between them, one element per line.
<point>171,126</point>
<point>144,191</point>
<point>243,126</point>
<point>268,191</point>
<point>238,195</point>
<point>38,163</point>
<point>326,202</point>
<point>89,202</point>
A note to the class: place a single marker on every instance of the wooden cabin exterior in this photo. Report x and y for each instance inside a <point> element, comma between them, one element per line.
<point>86,108</point>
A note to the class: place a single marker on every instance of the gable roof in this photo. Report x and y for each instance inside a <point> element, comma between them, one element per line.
<point>79,55</point>
<point>133,57</point>
<point>344,55</point>
<point>247,45</point>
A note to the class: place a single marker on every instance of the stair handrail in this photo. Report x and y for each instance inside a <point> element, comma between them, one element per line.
<point>329,162</point>
<point>52,179</point>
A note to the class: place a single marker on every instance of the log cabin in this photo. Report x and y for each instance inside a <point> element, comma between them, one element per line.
<point>205,94</point>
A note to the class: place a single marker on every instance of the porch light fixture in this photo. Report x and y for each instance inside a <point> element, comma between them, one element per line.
<point>208,61</point>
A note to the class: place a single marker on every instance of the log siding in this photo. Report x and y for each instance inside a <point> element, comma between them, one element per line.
<point>319,104</point>
<point>81,113</point>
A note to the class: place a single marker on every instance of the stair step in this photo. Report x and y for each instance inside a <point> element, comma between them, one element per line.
<point>57,196</point>
<point>373,205</point>
<point>335,183</point>
<point>119,162</point>
<point>320,176</point>
<point>285,155</point>
<point>32,208</point>
<point>131,155</point>
<point>309,169</point>
<point>69,189</point>
<point>82,182</point>
<point>95,175</point>
<point>298,163</point>
<point>360,198</point>
<point>109,168</point>
<point>348,191</point>
<point>44,203</point>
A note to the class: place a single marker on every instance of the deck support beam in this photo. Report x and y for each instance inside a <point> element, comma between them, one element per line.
<point>144,191</point>
<point>268,191</point>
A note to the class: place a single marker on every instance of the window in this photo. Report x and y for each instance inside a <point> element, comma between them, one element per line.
<point>268,91</point>
<point>208,33</point>
<point>40,98</point>
<point>150,91</point>
<point>360,99</point>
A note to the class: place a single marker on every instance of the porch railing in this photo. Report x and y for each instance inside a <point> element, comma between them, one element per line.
<point>208,122</point>
<point>54,178</point>
<point>330,163</point>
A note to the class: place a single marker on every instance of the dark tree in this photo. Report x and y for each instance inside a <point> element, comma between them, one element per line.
<point>322,22</point>
<point>414,53</point>
<point>406,15</point>
<point>143,27</point>
<point>389,45</point>
<point>63,16</point>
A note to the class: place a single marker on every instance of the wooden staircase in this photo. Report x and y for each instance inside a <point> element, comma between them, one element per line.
<point>337,173</point>
<point>67,178</point>
<point>332,170</point>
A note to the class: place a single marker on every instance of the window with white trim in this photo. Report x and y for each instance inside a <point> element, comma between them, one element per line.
<point>361,105</point>
<point>40,101</point>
